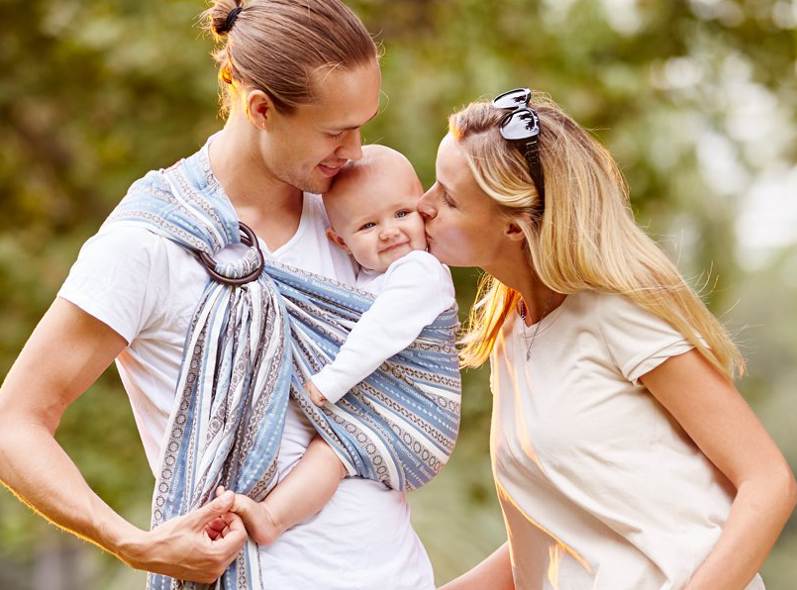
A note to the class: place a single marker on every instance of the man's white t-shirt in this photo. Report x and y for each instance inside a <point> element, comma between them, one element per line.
<point>146,288</point>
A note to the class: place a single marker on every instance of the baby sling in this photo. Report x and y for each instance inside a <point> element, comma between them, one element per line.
<point>252,343</point>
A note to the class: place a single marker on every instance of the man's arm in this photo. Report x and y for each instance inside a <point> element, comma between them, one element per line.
<point>66,353</point>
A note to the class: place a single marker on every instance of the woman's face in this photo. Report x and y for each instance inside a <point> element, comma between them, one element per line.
<point>464,226</point>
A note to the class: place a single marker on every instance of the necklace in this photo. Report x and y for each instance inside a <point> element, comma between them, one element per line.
<point>530,340</point>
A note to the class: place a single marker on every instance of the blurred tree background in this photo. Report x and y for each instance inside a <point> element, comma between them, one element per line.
<point>695,99</point>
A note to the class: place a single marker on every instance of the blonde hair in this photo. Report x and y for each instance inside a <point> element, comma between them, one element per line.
<point>583,238</point>
<point>277,45</point>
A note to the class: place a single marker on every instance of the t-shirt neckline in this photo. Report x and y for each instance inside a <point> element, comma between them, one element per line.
<point>521,329</point>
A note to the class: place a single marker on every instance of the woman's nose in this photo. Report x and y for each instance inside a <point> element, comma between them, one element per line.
<point>425,207</point>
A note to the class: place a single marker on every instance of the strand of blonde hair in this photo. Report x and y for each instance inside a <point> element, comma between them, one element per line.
<point>585,239</point>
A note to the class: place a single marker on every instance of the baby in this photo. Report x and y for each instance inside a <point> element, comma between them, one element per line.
<point>372,209</point>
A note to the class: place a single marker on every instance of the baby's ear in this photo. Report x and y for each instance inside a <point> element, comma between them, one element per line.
<point>337,240</point>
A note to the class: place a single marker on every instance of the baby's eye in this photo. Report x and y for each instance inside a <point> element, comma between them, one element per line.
<point>368,225</point>
<point>403,213</point>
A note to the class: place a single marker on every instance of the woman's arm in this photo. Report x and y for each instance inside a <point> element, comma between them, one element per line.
<point>494,573</point>
<point>719,421</point>
<point>66,353</point>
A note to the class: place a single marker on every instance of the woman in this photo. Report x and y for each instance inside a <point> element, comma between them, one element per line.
<point>623,455</point>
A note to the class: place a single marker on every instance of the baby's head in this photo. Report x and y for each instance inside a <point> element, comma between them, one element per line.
<point>373,208</point>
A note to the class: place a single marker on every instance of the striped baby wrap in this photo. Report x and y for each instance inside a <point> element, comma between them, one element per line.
<point>251,348</point>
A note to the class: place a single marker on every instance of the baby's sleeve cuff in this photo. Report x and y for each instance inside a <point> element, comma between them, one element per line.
<point>328,385</point>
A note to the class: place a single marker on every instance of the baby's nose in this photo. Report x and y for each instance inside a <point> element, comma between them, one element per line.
<point>389,233</point>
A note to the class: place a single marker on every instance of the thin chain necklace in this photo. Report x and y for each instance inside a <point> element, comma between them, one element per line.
<point>530,340</point>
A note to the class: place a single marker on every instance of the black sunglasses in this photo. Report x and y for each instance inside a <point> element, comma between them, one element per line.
<point>521,127</point>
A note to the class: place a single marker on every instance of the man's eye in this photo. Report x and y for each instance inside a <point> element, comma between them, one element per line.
<point>368,225</point>
<point>335,135</point>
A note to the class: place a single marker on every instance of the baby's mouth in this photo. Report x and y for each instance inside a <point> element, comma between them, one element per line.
<point>392,247</point>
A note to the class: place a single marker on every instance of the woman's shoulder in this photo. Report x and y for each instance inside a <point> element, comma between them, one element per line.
<point>603,306</point>
<point>613,316</point>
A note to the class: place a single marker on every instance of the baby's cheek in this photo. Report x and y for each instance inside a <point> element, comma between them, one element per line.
<point>419,237</point>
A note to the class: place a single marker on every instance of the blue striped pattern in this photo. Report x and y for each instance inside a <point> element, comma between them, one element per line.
<point>250,349</point>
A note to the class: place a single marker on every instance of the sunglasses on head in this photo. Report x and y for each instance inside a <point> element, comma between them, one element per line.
<point>521,127</point>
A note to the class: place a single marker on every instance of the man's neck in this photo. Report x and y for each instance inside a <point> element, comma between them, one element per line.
<point>268,205</point>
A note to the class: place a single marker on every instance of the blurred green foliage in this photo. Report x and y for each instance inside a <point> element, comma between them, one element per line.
<point>94,94</point>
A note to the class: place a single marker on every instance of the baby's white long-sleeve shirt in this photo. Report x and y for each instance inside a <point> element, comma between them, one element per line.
<point>413,291</point>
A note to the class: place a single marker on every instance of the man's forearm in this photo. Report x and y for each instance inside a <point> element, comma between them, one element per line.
<point>39,472</point>
<point>33,398</point>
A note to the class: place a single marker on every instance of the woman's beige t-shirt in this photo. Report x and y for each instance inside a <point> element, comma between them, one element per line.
<point>600,487</point>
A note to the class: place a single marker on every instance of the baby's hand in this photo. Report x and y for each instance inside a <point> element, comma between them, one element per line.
<point>256,518</point>
<point>315,395</point>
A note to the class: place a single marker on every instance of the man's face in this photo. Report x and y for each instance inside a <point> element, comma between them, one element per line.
<point>307,148</point>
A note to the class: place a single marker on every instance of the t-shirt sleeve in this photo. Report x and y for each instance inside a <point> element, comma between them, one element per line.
<point>114,279</point>
<point>417,289</point>
<point>638,340</point>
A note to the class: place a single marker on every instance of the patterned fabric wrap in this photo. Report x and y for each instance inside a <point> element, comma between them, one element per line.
<point>250,348</point>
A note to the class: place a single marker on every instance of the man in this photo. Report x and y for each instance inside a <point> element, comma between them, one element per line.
<point>300,80</point>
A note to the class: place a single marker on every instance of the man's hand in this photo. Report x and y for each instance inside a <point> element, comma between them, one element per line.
<point>315,395</point>
<point>184,548</point>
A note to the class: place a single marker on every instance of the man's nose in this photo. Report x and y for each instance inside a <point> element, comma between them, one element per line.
<point>352,148</point>
<point>425,206</point>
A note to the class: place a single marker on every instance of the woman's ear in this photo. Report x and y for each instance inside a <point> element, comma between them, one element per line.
<point>259,108</point>
<point>337,240</point>
<point>513,230</point>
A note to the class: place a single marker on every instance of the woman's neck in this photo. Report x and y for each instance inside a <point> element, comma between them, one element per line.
<point>514,271</point>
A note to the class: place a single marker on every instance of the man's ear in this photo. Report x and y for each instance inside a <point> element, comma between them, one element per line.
<point>337,240</point>
<point>259,108</point>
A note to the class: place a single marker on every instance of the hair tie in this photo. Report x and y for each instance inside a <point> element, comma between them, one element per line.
<point>231,18</point>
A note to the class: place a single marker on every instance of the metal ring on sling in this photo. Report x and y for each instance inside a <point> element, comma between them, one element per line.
<point>248,238</point>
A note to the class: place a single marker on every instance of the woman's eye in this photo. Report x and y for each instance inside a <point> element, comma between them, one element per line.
<point>447,200</point>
